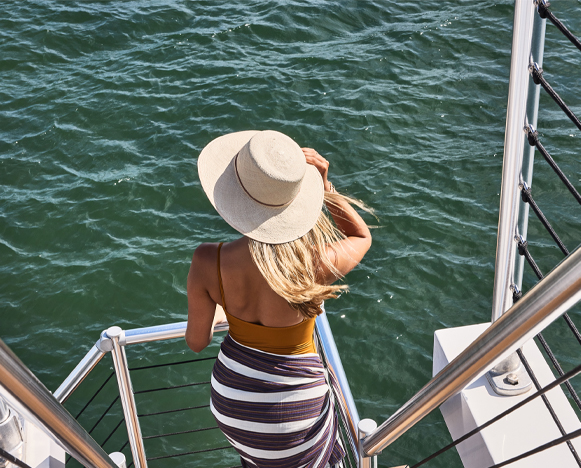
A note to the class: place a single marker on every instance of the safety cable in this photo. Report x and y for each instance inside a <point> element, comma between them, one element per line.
<point>540,276</point>
<point>345,446</point>
<point>538,78</point>
<point>559,369</point>
<point>112,432</point>
<point>544,12</point>
<point>171,388</point>
<point>565,378</point>
<point>528,198</point>
<point>173,411</point>
<point>168,364</point>
<point>12,459</point>
<point>533,139</point>
<point>548,404</point>
<point>523,250</point>
<point>104,414</point>
<point>95,394</point>
<point>98,421</point>
<point>541,448</point>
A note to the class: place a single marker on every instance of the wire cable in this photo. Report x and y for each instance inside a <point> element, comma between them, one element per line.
<point>170,388</point>
<point>533,139</point>
<point>544,12</point>
<point>523,250</point>
<point>168,364</point>
<point>566,438</point>
<point>538,78</point>
<point>104,414</point>
<point>548,404</point>
<point>173,411</point>
<point>528,198</point>
<point>565,378</point>
<point>96,393</point>
<point>12,459</point>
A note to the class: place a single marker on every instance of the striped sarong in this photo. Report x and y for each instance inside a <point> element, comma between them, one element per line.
<point>277,411</point>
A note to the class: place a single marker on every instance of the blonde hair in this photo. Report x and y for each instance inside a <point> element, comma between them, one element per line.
<point>294,269</point>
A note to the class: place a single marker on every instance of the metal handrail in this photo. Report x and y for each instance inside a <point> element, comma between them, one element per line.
<point>548,300</point>
<point>177,330</point>
<point>532,112</point>
<point>82,369</point>
<point>514,140</point>
<point>40,405</point>
<point>104,345</point>
<point>127,398</point>
<point>346,402</point>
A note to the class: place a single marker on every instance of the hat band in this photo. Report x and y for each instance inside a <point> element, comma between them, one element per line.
<point>247,193</point>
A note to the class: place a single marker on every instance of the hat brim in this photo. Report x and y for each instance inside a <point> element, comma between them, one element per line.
<point>259,222</point>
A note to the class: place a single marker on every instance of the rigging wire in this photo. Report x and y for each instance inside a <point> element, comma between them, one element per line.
<point>544,12</point>
<point>171,387</point>
<point>548,404</point>
<point>12,459</point>
<point>173,411</point>
<point>566,438</point>
<point>537,74</point>
<point>523,250</point>
<point>527,197</point>
<point>533,139</point>
<point>565,378</point>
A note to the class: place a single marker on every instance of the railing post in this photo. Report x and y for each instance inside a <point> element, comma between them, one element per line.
<point>514,141</point>
<point>345,399</point>
<point>537,53</point>
<point>364,428</point>
<point>119,458</point>
<point>36,403</point>
<point>82,369</point>
<point>543,304</point>
<point>127,399</point>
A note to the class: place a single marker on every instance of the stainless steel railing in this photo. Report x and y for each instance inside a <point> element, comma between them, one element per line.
<point>532,111</point>
<point>514,141</point>
<point>345,399</point>
<point>115,339</point>
<point>41,406</point>
<point>543,304</point>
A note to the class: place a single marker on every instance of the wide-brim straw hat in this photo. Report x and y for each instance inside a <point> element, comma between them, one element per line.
<point>261,184</point>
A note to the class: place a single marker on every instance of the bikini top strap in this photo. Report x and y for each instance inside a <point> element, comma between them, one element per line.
<point>220,279</point>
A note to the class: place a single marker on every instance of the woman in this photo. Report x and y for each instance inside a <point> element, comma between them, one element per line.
<point>269,394</point>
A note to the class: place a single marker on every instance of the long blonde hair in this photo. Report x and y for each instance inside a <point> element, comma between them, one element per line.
<point>294,269</point>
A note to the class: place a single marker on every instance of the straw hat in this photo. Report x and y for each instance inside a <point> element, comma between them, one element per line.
<point>261,185</point>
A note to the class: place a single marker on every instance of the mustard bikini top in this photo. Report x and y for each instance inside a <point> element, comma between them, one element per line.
<point>296,339</point>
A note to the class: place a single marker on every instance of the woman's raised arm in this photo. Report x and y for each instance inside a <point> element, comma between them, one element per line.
<point>346,253</point>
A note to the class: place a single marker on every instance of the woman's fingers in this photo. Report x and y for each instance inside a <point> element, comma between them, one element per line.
<point>318,161</point>
<point>314,158</point>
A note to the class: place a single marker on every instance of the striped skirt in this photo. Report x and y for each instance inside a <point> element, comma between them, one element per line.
<point>277,411</point>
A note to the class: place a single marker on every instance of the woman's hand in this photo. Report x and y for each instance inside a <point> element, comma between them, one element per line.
<point>322,165</point>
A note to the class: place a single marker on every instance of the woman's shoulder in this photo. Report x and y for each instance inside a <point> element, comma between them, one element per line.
<point>205,252</point>
<point>204,262</point>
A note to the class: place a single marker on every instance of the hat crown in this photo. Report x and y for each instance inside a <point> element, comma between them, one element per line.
<point>270,168</point>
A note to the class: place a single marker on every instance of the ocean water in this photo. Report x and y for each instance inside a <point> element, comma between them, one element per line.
<point>105,105</point>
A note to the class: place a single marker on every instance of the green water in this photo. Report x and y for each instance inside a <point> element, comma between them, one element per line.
<point>104,107</point>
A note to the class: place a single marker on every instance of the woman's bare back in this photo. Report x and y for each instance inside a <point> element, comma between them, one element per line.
<point>248,296</point>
